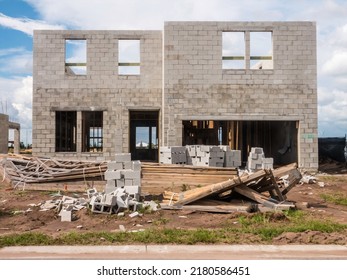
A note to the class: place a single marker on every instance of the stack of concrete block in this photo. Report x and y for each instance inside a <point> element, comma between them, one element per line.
<point>192,158</point>
<point>232,158</point>
<point>123,187</point>
<point>172,155</point>
<point>257,160</point>
<point>203,155</point>
<point>122,172</point>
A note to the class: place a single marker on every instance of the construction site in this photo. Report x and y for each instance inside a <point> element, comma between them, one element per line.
<point>199,126</point>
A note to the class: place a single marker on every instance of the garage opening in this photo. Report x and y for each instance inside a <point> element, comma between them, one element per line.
<point>279,139</point>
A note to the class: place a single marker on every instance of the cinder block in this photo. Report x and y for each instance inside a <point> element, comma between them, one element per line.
<point>66,215</point>
<point>122,202</point>
<point>164,149</point>
<point>204,148</point>
<point>268,160</point>
<point>109,189</point>
<point>128,182</point>
<point>91,192</point>
<point>114,165</point>
<point>111,183</point>
<point>136,165</point>
<point>137,182</point>
<point>127,165</point>
<point>225,148</point>
<point>132,190</point>
<point>113,175</point>
<point>109,199</point>
<point>122,157</point>
<point>130,174</point>
<point>120,183</point>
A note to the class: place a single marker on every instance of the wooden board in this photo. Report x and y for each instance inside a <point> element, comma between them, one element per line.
<point>157,178</point>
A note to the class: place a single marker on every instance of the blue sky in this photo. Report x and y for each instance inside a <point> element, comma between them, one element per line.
<point>18,19</point>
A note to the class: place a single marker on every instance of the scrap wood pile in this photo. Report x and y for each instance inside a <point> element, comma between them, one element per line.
<point>261,190</point>
<point>19,169</point>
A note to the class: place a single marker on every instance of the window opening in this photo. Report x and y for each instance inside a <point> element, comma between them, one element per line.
<point>261,50</point>
<point>92,131</point>
<point>76,57</point>
<point>233,53</point>
<point>65,131</point>
<point>129,57</point>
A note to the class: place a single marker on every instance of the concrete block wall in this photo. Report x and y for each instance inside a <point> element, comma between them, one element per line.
<point>101,89</point>
<point>3,134</point>
<point>193,78</point>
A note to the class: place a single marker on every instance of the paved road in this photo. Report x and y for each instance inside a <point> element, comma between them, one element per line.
<point>180,252</point>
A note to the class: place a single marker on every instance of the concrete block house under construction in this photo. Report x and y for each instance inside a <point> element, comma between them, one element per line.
<point>242,84</point>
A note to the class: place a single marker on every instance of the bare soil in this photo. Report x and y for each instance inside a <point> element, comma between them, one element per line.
<point>306,196</point>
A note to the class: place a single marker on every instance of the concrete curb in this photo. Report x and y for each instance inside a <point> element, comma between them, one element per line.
<point>177,252</point>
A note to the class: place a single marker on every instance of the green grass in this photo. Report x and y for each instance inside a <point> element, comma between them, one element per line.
<point>336,198</point>
<point>333,179</point>
<point>259,228</point>
<point>265,226</point>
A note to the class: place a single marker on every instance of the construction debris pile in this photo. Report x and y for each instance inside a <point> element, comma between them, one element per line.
<point>123,187</point>
<point>21,170</point>
<point>212,189</point>
<point>263,190</point>
<point>98,202</point>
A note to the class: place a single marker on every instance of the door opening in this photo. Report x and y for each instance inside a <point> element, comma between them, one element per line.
<point>144,136</point>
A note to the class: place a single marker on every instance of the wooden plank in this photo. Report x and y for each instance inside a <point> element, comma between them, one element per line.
<point>210,208</point>
<point>206,191</point>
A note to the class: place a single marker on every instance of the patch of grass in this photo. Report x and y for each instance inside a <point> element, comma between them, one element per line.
<point>259,228</point>
<point>160,221</point>
<point>269,225</point>
<point>336,198</point>
<point>333,179</point>
<point>25,239</point>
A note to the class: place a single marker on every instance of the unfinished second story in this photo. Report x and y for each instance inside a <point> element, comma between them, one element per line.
<point>97,59</point>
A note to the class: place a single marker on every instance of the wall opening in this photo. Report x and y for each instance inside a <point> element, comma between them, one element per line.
<point>144,136</point>
<point>277,138</point>
<point>76,56</point>
<point>129,57</point>
<point>233,52</point>
<point>92,131</point>
<point>261,50</point>
<point>65,131</point>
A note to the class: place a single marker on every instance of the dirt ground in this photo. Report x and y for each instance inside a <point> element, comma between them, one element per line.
<point>306,196</point>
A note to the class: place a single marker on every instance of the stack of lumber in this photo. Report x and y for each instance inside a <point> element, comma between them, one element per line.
<point>20,169</point>
<point>159,177</point>
<point>260,187</point>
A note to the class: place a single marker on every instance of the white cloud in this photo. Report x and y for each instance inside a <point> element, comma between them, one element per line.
<point>332,117</point>
<point>25,25</point>
<point>150,14</point>
<point>16,99</point>
<point>16,60</point>
<point>337,64</point>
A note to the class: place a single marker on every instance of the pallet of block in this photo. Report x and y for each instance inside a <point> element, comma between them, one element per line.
<point>159,177</point>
